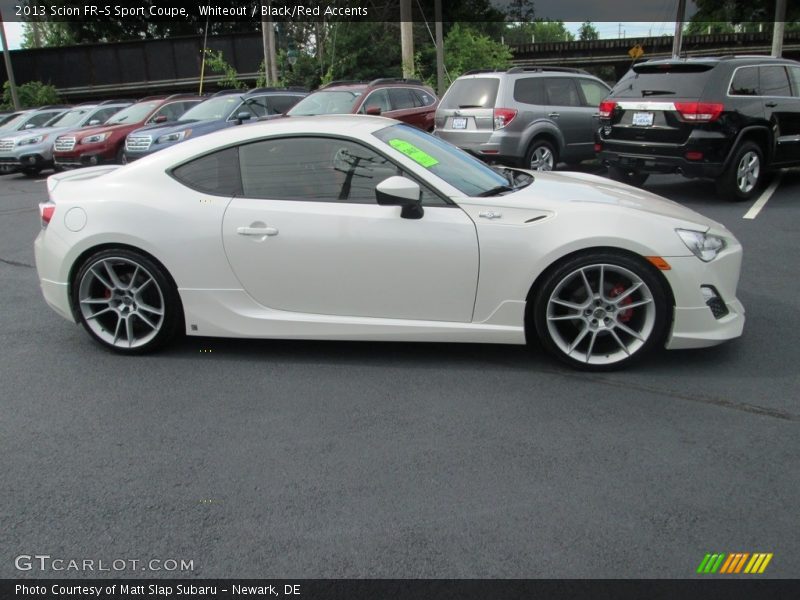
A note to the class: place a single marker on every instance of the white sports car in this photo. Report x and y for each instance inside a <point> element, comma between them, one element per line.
<point>360,228</point>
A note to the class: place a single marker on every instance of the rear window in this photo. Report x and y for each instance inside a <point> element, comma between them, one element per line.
<point>479,92</point>
<point>663,80</point>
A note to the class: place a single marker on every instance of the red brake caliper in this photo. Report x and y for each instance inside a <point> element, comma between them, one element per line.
<point>625,315</point>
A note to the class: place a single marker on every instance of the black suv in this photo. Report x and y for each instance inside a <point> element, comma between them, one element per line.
<point>730,119</point>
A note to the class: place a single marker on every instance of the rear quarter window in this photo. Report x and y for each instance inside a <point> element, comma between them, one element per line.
<point>479,92</point>
<point>744,82</point>
<point>529,90</point>
<point>216,173</point>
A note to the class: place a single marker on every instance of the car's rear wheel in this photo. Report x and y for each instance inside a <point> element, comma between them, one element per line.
<point>126,301</point>
<point>541,156</point>
<point>742,178</point>
<point>629,176</point>
<point>601,311</point>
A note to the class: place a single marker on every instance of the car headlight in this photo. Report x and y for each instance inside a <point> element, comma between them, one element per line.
<point>31,140</point>
<point>174,137</point>
<point>96,138</point>
<point>705,246</point>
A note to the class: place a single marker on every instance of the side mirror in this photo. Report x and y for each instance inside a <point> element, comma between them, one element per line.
<point>373,110</point>
<point>29,126</point>
<point>94,122</point>
<point>401,191</point>
<point>243,116</point>
<point>160,119</point>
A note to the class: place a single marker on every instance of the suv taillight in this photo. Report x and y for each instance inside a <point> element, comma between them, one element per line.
<point>699,112</point>
<point>503,116</point>
<point>606,108</point>
<point>46,210</point>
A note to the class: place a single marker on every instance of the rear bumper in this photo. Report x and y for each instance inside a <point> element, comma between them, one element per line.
<point>657,163</point>
<point>488,145</point>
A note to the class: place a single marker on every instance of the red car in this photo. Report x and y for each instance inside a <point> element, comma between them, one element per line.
<point>106,143</point>
<point>406,100</point>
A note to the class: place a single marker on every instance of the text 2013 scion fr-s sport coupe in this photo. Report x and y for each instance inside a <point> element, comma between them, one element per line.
<point>360,228</point>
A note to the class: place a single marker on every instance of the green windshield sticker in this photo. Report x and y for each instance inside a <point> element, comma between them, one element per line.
<point>414,153</point>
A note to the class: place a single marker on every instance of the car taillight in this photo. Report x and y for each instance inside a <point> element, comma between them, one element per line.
<point>699,112</point>
<point>46,210</point>
<point>606,108</point>
<point>503,116</point>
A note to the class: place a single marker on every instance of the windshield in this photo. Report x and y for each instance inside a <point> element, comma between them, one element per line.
<point>213,108</point>
<point>4,119</point>
<point>69,118</point>
<point>326,103</point>
<point>461,170</point>
<point>15,121</point>
<point>133,114</point>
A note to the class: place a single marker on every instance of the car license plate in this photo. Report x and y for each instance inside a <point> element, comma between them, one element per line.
<point>459,122</point>
<point>643,119</point>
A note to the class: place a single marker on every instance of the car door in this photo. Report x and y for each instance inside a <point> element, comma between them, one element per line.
<point>575,120</point>
<point>306,235</point>
<point>782,109</point>
<point>405,107</point>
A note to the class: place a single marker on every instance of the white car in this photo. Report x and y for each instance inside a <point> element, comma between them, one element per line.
<point>362,228</point>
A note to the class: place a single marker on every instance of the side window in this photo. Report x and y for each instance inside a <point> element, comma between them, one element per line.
<point>379,98</point>
<point>216,173</point>
<point>423,98</point>
<point>278,105</point>
<point>41,118</point>
<point>744,82</point>
<point>529,90</point>
<point>561,91</point>
<point>172,111</point>
<point>794,74</point>
<point>257,107</point>
<point>401,98</point>
<point>594,93</point>
<point>104,114</point>
<point>312,169</point>
<point>774,81</point>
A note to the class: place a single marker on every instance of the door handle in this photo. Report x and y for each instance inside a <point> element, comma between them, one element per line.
<point>490,214</point>
<point>771,104</point>
<point>258,231</point>
<point>554,115</point>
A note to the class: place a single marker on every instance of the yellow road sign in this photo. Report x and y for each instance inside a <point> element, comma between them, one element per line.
<point>636,52</point>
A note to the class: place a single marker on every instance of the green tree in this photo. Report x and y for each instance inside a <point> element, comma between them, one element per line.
<point>31,94</point>
<point>537,31</point>
<point>50,34</point>
<point>216,63</point>
<point>588,32</point>
<point>744,12</point>
<point>465,49</point>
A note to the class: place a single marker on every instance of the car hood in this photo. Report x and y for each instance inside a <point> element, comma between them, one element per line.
<point>32,132</point>
<point>159,130</point>
<point>583,188</point>
<point>87,131</point>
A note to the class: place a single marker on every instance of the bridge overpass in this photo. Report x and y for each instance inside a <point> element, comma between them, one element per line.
<point>140,68</point>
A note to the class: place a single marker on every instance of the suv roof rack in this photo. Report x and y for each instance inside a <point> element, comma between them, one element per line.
<point>117,101</point>
<point>541,69</point>
<point>148,98</point>
<point>174,96</point>
<point>227,91</point>
<point>49,106</point>
<point>478,71</point>
<point>342,82</point>
<point>395,80</point>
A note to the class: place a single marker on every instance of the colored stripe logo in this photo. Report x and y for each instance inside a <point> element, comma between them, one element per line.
<point>735,563</point>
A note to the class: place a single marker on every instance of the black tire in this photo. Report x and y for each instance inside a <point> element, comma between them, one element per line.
<point>541,156</point>
<point>58,169</point>
<point>127,303</point>
<point>597,332</point>
<point>120,160</point>
<point>742,178</point>
<point>630,177</point>
<point>31,171</point>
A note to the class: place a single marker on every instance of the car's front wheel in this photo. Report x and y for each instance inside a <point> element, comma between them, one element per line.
<point>743,176</point>
<point>601,311</point>
<point>126,301</point>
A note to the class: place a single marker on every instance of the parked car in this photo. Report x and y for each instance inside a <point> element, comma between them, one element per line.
<point>31,150</point>
<point>231,107</point>
<point>6,116</point>
<point>106,143</point>
<point>362,228</point>
<point>406,100</point>
<point>532,117</point>
<point>731,119</point>
<point>31,118</point>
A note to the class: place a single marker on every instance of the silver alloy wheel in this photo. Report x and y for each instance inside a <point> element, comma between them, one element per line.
<point>121,302</point>
<point>542,159</point>
<point>601,314</point>
<point>747,172</point>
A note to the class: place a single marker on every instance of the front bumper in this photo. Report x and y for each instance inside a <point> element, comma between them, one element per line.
<point>12,164</point>
<point>86,159</point>
<point>694,323</point>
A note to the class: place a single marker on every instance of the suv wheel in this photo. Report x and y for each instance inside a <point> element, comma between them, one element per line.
<point>634,178</point>
<point>743,176</point>
<point>541,156</point>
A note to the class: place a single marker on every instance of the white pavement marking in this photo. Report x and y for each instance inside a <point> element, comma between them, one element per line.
<point>762,201</point>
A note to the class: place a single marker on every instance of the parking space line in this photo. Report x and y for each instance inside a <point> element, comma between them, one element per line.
<point>762,200</point>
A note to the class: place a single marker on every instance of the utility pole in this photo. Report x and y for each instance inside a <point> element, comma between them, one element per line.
<point>677,41</point>
<point>440,85</point>
<point>778,27</point>
<point>406,38</point>
<point>268,39</point>
<point>9,70</point>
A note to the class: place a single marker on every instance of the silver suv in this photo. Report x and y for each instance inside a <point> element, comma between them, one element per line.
<point>528,117</point>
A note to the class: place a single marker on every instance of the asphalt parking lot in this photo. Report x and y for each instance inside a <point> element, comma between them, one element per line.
<point>306,459</point>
